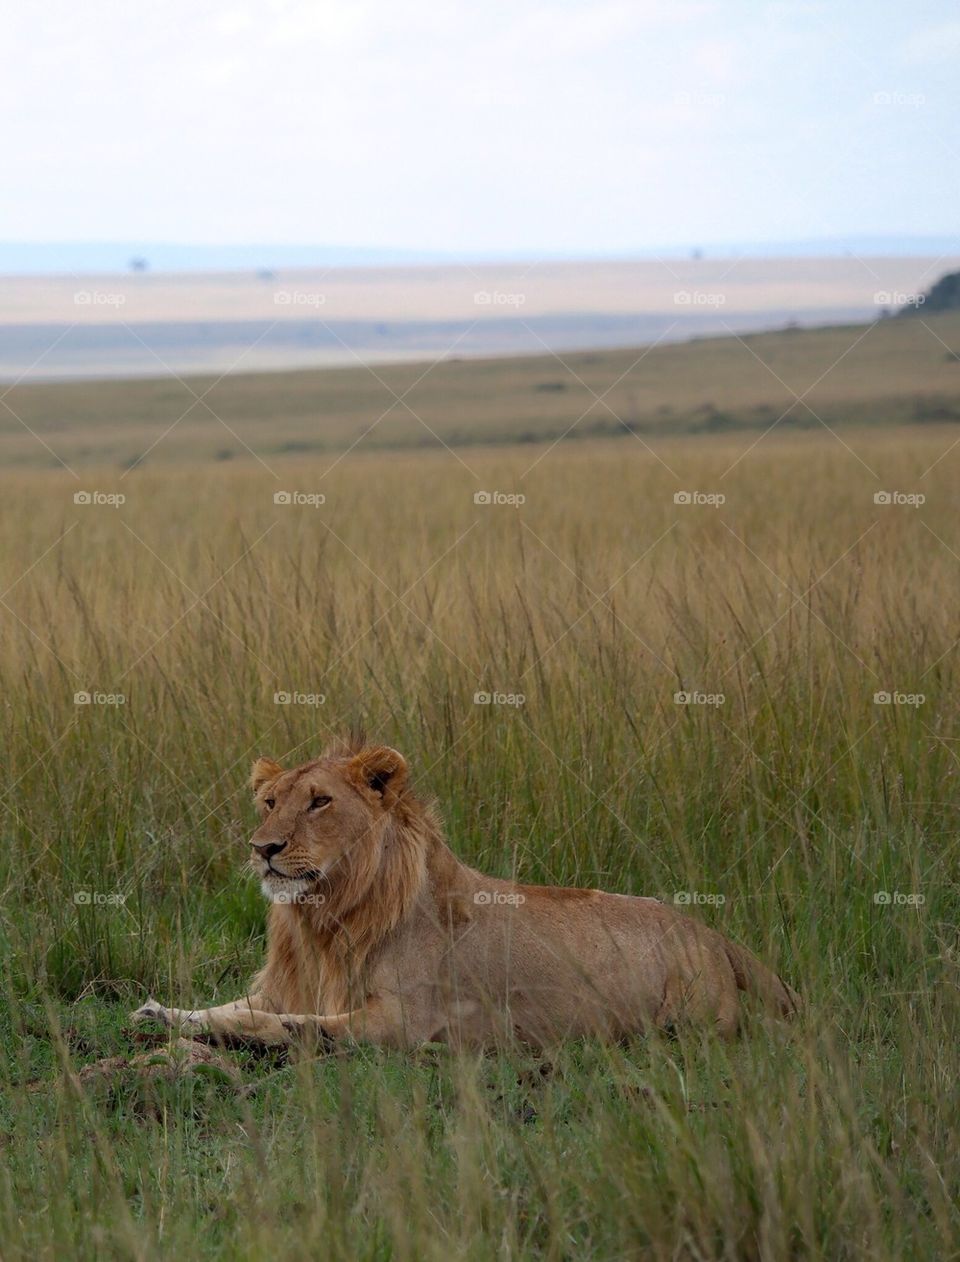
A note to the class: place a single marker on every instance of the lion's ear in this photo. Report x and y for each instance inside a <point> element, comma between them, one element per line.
<point>263,771</point>
<point>382,769</point>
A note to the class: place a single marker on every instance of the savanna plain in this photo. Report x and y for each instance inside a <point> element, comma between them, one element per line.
<point>707,652</point>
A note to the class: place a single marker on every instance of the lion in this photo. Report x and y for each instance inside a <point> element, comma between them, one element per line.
<point>377,932</point>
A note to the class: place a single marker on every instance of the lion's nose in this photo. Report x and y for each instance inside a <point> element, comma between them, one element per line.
<point>267,849</point>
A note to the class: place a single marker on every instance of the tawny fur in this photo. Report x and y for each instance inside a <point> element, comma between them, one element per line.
<point>386,935</point>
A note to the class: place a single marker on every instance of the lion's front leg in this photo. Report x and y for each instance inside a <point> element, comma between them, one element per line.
<point>200,1020</point>
<point>375,1022</point>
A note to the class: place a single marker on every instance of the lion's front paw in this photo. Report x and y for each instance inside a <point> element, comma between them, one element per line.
<point>172,1018</point>
<point>152,1011</point>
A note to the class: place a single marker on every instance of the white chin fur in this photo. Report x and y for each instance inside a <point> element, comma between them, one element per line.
<point>284,889</point>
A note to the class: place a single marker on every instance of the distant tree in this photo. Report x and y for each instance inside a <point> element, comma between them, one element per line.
<point>943,296</point>
<point>138,264</point>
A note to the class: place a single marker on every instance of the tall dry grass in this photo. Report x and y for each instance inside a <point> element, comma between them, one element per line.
<point>784,812</point>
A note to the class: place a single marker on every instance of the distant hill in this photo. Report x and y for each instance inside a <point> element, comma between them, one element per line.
<point>883,373</point>
<point>943,296</point>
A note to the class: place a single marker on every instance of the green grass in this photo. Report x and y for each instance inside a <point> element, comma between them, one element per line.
<point>798,801</point>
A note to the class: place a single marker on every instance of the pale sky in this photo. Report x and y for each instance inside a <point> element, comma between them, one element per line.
<point>601,125</point>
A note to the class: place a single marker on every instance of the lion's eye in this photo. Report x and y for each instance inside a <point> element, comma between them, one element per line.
<point>318,802</point>
<point>270,803</point>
